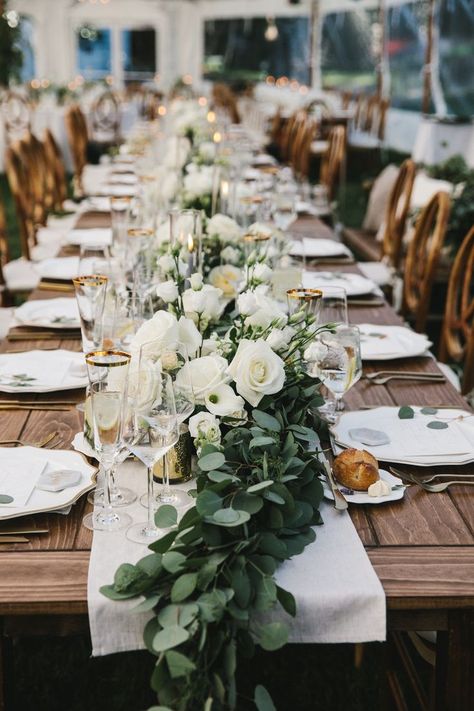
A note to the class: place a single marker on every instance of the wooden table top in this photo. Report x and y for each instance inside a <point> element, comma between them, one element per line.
<point>422,546</point>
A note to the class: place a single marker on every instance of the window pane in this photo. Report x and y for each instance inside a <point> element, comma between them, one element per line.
<point>254,48</point>
<point>26,47</point>
<point>350,43</point>
<point>94,58</point>
<point>139,54</point>
<point>406,46</point>
<point>456,55</point>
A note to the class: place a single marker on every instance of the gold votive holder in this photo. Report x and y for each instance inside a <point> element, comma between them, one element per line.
<point>178,460</point>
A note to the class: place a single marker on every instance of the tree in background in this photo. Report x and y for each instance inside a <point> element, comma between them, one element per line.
<point>10,53</point>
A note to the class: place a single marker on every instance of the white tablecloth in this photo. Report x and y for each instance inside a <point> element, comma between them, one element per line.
<point>339,597</point>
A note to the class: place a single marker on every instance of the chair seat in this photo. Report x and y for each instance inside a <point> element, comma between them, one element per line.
<point>363,243</point>
<point>6,320</point>
<point>20,275</point>
<point>359,139</point>
<point>318,147</point>
<point>378,272</point>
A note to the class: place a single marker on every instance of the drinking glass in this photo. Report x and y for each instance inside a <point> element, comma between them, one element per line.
<point>120,208</point>
<point>151,430</point>
<point>334,358</point>
<point>173,360</point>
<point>284,209</point>
<point>127,317</point>
<point>303,304</point>
<point>108,374</point>
<point>90,296</point>
<point>93,258</point>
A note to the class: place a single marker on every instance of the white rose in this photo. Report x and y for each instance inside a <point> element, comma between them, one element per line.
<point>256,370</point>
<point>223,227</point>
<point>247,303</point>
<point>166,262</point>
<point>196,281</point>
<point>207,150</point>
<point>168,291</point>
<point>207,302</point>
<point>230,255</point>
<point>194,301</point>
<point>159,332</point>
<point>223,401</point>
<point>189,335</point>
<point>205,374</point>
<point>260,229</point>
<point>227,278</point>
<point>198,182</point>
<point>265,316</point>
<point>206,426</point>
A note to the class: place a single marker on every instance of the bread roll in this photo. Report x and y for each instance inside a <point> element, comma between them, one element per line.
<point>356,469</point>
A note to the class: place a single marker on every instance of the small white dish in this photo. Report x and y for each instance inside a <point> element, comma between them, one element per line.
<point>362,497</point>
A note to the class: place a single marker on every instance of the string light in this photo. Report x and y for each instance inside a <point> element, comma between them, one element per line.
<point>271,32</point>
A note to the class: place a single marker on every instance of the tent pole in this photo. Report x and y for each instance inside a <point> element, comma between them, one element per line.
<point>427,70</point>
<point>382,78</point>
<point>315,44</point>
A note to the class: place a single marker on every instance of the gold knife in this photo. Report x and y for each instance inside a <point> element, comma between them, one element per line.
<point>14,539</point>
<point>340,503</point>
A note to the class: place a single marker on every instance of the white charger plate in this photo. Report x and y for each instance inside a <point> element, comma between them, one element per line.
<point>47,363</point>
<point>362,497</point>
<point>41,501</point>
<point>42,312</point>
<point>410,344</point>
<point>354,284</point>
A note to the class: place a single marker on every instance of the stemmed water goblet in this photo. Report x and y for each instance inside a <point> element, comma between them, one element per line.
<point>151,429</point>
<point>334,357</point>
<point>108,375</point>
<point>91,293</point>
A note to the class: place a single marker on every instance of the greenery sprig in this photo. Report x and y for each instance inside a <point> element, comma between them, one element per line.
<point>208,581</point>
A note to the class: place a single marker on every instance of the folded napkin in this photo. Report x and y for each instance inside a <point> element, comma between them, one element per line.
<point>93,237</point>
<point>37,371</point>
<point>18,485</point>
<point>384,342</point>
<point>308,247</point>
<point>339,597</point>
<point>61,312</point>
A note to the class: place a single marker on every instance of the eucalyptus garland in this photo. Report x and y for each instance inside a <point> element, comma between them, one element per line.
<point>208,581</point>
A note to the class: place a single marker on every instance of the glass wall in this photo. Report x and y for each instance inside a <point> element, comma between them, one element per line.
<point>139,54</point>
<point>25,43</point>
<point>94,52</point>
<point>254,48</point>
<point>456,55</point>
<point>349,51</point>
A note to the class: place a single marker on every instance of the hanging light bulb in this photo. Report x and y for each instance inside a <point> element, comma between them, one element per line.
<point>271,32</point>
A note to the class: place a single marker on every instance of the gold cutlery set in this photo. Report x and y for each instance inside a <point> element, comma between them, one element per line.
<point>382,377</point>
<point>18,536</point>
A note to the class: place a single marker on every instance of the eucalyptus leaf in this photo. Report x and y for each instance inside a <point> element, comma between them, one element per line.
<point>178,664</point>
<point>208,502</point>
<point>273,636</point>
<point>173,561</point>
<point>261,442</point>
<point>230,517</point>
<point>268,422</point>
<point>406,413</point>
<point>263,700</point>
<point>170,637</point>
<point>183,587</point>
<point>261,485</point>
<point>211,461</point>
<point>437,425</point>
<point>166,516</point>
<point>148,604</point>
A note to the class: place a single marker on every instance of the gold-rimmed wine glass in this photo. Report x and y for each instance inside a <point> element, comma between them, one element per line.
<point>90,293</point>
<point>303,304</point>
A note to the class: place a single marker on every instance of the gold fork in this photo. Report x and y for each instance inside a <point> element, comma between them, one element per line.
<point>41,443</point>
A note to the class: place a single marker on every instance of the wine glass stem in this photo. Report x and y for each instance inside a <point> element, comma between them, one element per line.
<point>166,493</point>
<point>150,499</point>
<point>339,405</point>
<point>108,512</point>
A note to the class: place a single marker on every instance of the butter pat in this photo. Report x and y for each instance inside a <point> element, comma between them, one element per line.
<point>379,488</point>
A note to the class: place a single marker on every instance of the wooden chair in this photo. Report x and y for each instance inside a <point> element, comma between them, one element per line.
<point>105,119</point>
<point>20,187</point>
<point>364,243</point>
<point>423,257</point>
<point>302,148</point>
<point>457,335</point>
<point>56,166</point>
<point>17,276</point>
<point>15,110</point>
<point>224,98</point>
<point>289,133</point>
<point>76,129</point>
<point>333,160</point>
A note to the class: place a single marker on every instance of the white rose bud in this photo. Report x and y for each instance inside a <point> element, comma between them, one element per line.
<point>168,291</point>
<point>196,281</point>
<point>262,272</point>
<point>247,303</point>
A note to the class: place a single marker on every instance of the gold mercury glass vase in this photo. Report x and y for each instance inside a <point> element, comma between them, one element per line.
<point>178,460</point>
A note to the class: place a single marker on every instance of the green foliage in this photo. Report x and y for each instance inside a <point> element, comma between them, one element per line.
<point>11,58</point>
<point>211,577</point>
<point>454,169</point>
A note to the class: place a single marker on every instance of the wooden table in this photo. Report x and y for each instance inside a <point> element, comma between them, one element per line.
<point>422,547</point>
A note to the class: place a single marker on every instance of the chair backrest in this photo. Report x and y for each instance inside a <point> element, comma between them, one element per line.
<point>422,258</point>
<point>4,251</point>
<point>332,160</point>
<point>397,212</point>
<point>76,129</point>
<point>20,188</point>
<point>376,116</point>
<point>56,166</point>
<point>105,115</point>
<point>301,150</point>
<point>457,336</point>
<point>290,132</point>
<point>224,98</point>
<point>15,110</point>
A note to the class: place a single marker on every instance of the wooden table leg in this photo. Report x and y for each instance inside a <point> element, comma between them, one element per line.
<point>2,668</point>
<point>455,663</point>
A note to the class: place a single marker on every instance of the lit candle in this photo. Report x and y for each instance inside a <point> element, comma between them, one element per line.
<point>211,116</point>
<point>191,255</point>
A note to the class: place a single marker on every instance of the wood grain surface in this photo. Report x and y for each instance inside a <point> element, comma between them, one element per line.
<point>422,546</point>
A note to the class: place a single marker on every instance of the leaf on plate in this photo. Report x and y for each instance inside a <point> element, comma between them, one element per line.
<point>437,425</point>
<point>406,413</point>
<point>429,410</point>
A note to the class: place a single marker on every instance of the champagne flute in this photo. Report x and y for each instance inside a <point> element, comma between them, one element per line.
<point>151,430</point>
<point>174,361</point>
<point>334,358</point>
<point>284,209</point>
<point>93,257</point>
<point>90,293</point>
<point>108,374</point>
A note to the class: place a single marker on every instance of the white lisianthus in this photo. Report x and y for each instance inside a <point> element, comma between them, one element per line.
<point>168,291</point>
<point>204,427</point>
<point>247,303</point>
<point>278,340</point>
<point>260,229</point>
<point>209,345</point>
<point>189,335</point>
<point>230,255</point>
<point>198,181</point>
<point>206,374</point>
<point>161,331</point>
<point>223,227</point>
<point>256,370</point>
<point>227,278</point>
<point>166,263</point>
<point>265,316</point>
<point>196,281</point>
<point>261,272</point>
<point>207,302</point>
<point>223,401</point>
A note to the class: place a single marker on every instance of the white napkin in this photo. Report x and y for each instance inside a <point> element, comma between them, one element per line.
<point>94,237</point>
<point>338,594</point>
<point>384,342</point>
<point>40,371</point>
<point>123,179</point>
<point>60,312</point>
<point>64,268</point>
<point>308,247</point>
<point>18,484</point>
<point>97,204</point>
<point>354,284</point>
<point>116,190</point>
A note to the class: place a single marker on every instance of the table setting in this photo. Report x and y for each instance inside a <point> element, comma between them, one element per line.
<point>199,432</point>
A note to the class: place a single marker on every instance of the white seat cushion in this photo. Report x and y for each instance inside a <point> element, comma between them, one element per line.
<point>6,320</point>
<point>20,275</point>
<point>378,198</point>
<point>378,272</point>
<point>358,139</point>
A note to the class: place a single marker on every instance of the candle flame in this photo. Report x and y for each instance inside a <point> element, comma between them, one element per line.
<point>211,116</point>
<point>217,137</point>
<point>190,243</point>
